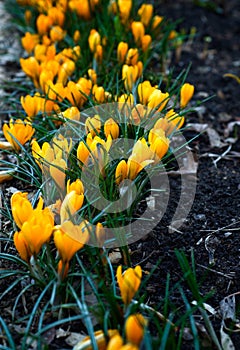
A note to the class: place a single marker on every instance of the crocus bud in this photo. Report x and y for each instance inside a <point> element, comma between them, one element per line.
<point>134,328</point>
<point>122,51</point>
<point>138,31</point>
<point>111,128</point>
<point>186,93</point>
<point>145,12</point>
<point>129,282</point>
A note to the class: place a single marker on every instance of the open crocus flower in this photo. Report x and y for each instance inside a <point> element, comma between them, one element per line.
<point>158,100</point>
<point>35,224</point>
<point>18,133</point>
<point>141,156</point>
<point>70,238</point>
<point>129,282</point>
<point>22,209</point>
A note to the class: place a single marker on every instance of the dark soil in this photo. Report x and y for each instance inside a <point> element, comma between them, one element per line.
<point>213,53</point>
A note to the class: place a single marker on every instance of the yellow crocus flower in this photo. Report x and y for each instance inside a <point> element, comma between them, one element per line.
<point>145,12</point>
<point>129,282</point>
<point>18,132</point>
<point>134,328</point>
<point>186,93</point>
<point>111,128</point>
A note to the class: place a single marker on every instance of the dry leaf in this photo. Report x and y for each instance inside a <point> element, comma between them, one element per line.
<point>74,338</point>
<point>226,341</point>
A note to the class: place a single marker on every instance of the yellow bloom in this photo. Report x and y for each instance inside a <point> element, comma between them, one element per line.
<point>122,50</point>
<point>72,202</point>
<point>69,238</point>
<point>146,42</point>
<point>76,36</point>
<point>94,39</point>
<point>156,21</point>
<point>43,23</point>
<point>57,33</point>
<point>31,104</point>
<point>159,143</point>
<point>37,229</point>
<point>126,98</point>
<point>129,75</point>
<point>31,67</point>
<point>98,93</point>
<point>93,125</point>
<point>86,343</point>
<point>111,128</point>
<point>42,155</point>
<point>71,113</point>
<point>57,171</point>
<point>76,92</point>
<point>92,75</point>
<point>98,54</point>
<point>129,282</point>
<point>144,91</point>
<point>145,12</point>
<point>29,41</point>
<point>138,113</point>
<point>21,208</point>
<point>121,172</point>
<point>134,328</point>
<point>115,342</point>
<point>132,57</point>
<point>158,100</point>
<point>65,71</point>
<point>174,119</point>
<point>138,31</point>
<point>57,16</point>
<point>125,7</point>
<point>83,152</point>
<point>22,246</point>
<point>18,132</point>
<point>186,93</point>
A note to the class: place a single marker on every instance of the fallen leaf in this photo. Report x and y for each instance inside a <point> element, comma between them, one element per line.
<point>226,341</point>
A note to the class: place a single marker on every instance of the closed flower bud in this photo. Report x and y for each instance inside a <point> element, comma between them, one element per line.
<point>134,327</point>
<point>43,23</point>
<point>186,93</point>
<point>122,50</point>
<point>129,282</point>
<point>92,75</point>
<point>138,31</point>
<point>145,12</point>
<point>132,57</point>
<point>31,104</point>
<point>94,39</point>
<point>121,172</point>
<point>98,93</point>
<point>57,171</point>
<point>98,54</point>
<point>146,42</point>
<point>125,7</point>
<point>83,152</point>
<point>76,36</point>
<point>156,21</point>
<point>111,128</point>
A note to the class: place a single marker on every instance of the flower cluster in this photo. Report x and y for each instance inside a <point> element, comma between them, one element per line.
<point>73,61</point>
